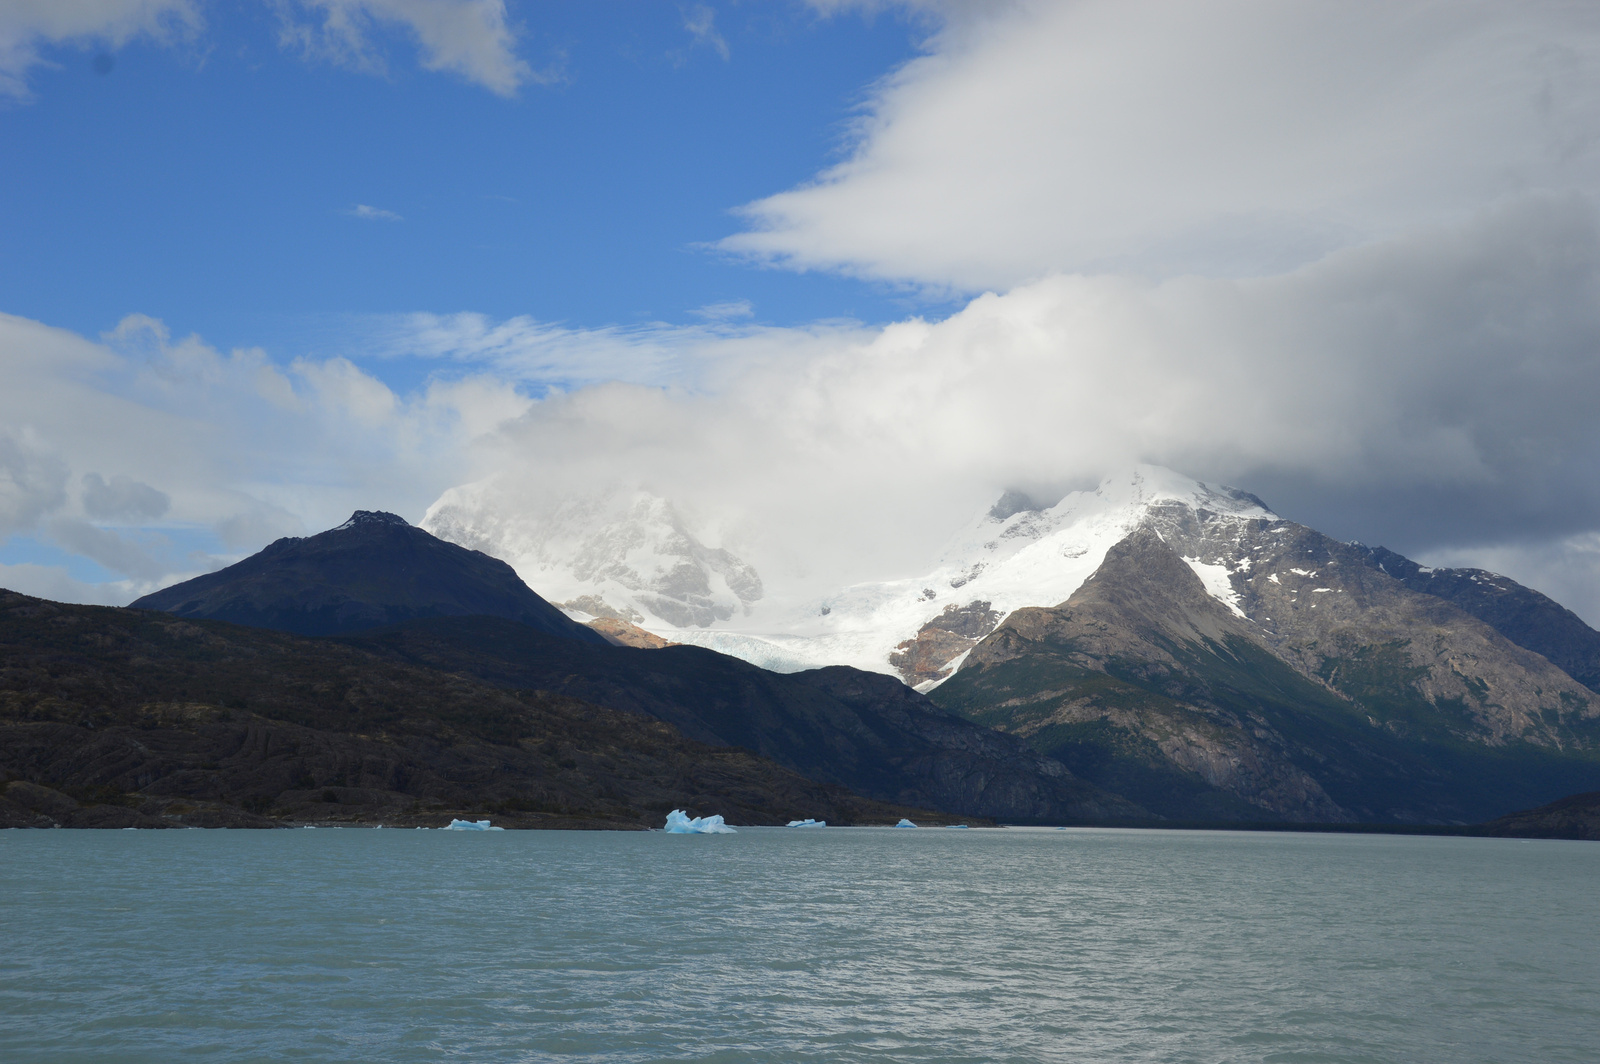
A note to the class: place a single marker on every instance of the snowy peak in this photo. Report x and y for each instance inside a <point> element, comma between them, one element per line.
<point>625,555</point>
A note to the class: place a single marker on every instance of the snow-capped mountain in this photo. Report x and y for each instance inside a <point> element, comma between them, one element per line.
<point>631,556</point>
<point>623,555</point>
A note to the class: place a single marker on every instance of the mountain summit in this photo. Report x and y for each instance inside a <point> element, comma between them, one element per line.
<point>376,569</point>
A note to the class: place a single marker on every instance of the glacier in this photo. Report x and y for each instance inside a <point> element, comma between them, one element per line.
<point>635,557</point>
<point>470,825</point>
<point>678,823</point>
<point>807,823</point>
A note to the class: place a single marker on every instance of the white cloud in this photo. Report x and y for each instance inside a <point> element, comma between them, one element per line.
<point>470,38</point>
<point>123,498</point>
<point>373,214</point>
<point>27,26</point>
<point>1217,136</point>
<point>1437,385</point>
<point>700,20</point>
<point>174,442</point>
<point>32,482</point>
<point>729,311</point>
<point>546,354</point>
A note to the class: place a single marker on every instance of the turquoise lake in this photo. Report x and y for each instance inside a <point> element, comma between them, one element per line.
<point>777,945</point>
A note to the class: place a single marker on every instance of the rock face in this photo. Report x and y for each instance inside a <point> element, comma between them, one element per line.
<point>1522,615</point>
<point>930,656</point>
<point>373,570</point>
<point>1221,666</point>
<point>622,634</point>
<point>128,718</point>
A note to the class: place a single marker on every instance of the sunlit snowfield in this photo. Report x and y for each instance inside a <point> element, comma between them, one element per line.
<point>775,945</point>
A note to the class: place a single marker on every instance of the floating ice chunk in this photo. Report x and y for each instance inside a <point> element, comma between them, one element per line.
<point>470,825</point>
<point>808,823</point>
<point>904,823</point>
<point>678,823</point>
<point>955,825</point>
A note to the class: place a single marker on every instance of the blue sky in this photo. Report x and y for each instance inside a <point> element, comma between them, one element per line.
<point>213,183</point>
<point>827,274</point>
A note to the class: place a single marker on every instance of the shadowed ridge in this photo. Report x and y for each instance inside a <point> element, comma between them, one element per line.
<point>374,570</point>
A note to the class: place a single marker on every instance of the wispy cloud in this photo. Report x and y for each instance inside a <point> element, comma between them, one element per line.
<point>26,26</point>
<point>730,311</point>
<point>373,214</point>
<point>700,20</point>
<point>470,38</point>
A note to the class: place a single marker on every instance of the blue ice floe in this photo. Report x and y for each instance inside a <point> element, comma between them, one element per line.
<point>678,823</point>
<point>904,823</point>
<point>470,825</point>
<point>808,823</point>
<point>955,825</point>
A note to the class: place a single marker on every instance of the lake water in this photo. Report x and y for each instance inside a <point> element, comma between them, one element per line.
<point>778,945</point>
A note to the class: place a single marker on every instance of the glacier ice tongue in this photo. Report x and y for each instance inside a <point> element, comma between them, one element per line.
<point>470,825</point>
<point>904,823</point>
<point>678,823</point>
<point>808,823</point>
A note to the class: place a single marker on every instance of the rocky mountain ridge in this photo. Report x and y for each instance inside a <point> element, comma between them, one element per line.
<point>374,569</point>
<point>1224,665</point>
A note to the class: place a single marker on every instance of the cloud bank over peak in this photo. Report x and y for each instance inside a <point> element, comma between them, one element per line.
<point>1220,137</point>
<point>1433,389</point>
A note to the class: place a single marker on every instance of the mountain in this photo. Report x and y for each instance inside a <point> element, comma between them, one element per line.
<point>373,570</point>
<point>466,615</point>
<point>626,556</point>
<point>1521,614</point>
<point>1574,817</point>
<point>633,557</point>
<point>838,725</point>
<point>132,718</point>
<point>1226,663</point>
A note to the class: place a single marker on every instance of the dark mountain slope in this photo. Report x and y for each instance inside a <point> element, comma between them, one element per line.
<point>839,725</point>
<point>373,570</point>
<point>1147,685</point>
<point>1521,614</point>
<point>1574,817</point>
<point>138,716</point>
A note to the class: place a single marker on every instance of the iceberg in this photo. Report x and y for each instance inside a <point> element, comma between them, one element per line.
<point>470,825</point>
<point>904,823</point>
<point>678,823</point>
<point>808,823</point>
<point>955,825</point>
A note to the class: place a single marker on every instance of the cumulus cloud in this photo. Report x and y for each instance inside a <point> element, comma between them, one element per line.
<point>27,26</point>
<point>123,498</point>
<point>469,38</point>
<point>1224,137</point>
<point>243,450</point>
<point>32,482</point>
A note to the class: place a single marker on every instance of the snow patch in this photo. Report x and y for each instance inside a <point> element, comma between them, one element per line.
<point>1218,583</point>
